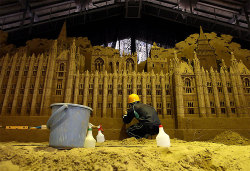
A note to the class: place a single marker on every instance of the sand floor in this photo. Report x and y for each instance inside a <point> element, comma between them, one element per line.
<point>129,154</point>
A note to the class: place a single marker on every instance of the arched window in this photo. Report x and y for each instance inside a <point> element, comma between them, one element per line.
<point>188,85</point>
<point>111,67</point>
<point>130,63</point>
<point>246,82</point>
<point>99,64</point>
<point>187,82</point>
<point>61,67</point>
<point>117,65</point>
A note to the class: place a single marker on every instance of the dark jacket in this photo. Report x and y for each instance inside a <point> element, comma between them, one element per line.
<point>147,115</point>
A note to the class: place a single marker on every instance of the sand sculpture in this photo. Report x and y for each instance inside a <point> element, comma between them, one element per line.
<point>71,70</point>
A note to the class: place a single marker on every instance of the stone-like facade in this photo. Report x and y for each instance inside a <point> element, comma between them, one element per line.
<point>73,71</point>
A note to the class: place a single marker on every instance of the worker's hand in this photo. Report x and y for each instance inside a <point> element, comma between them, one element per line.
<point>125,113</point>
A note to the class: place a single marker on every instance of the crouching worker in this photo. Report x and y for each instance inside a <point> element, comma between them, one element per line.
<point>146,115</point>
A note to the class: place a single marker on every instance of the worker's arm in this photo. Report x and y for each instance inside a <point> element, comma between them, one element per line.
<point>127,118</point>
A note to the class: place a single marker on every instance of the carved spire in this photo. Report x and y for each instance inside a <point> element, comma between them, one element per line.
<point>196,60</point>
<point>223,65</point>
<point>233,60</point>
<point>195,56</point>
<point>63,33</point>
<point>175,59</point>
<point>202,35</point>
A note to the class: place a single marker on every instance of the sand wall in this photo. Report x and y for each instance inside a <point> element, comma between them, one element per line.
<point>188,128</point>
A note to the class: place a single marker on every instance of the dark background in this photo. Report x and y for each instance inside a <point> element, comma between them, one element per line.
<point>147,28</point>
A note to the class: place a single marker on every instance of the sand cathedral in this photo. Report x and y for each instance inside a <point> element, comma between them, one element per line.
<point>71,70</point>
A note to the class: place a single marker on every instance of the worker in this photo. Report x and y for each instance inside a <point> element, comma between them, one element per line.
<point>146,115</point>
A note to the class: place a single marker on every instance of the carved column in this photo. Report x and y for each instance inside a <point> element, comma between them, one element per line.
<point>200,94</point>
<point>124,91</point>
<point>134,83</point>
<point>163,89</point>
<point>153,89</point>
<point>18,85</point>
<point>235,92</point>
<point>114,94</point>
<point>49,81</point>
<point>241,93</point>
<point>224,84</point>
<point>69,84</point>
<point>76,92</point>
<point>144,92</point>
<point>12,73</point>
<point>105,94</point>
<point>36,88</point>
<point>27,86</point>
<point>179,93</point>
<point>86,88</point>
<point>95,93</point>
<point>206,96</point>
<point>171,90</point>
<point>47,59</point>
<point>215,90</point>
<point>4,68</point>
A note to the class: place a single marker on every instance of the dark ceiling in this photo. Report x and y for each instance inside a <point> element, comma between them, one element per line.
<point>222,16</point>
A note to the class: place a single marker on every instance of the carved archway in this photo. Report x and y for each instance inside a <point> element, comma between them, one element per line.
<point>130,64</point>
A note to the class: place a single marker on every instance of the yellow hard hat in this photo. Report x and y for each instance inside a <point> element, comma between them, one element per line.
<point>133,98</point>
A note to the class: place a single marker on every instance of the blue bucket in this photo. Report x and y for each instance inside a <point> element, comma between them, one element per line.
<point>68,125</point>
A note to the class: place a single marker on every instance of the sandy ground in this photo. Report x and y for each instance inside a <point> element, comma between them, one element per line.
<point>131,154</point>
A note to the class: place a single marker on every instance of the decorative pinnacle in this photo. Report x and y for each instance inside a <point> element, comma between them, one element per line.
<point>232,57</point>
<point>222,71</point>
<point>161,73</point>
<point>211,70</point>
<point>105,73</point>
<point>195,55</point>
<point>152,71</point>
<point>202,69</point>
<point>96,73</point>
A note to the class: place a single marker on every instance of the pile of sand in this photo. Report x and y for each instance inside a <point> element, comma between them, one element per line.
<point>134,141</point>
<point>231,138</point>
<point>126,155</point>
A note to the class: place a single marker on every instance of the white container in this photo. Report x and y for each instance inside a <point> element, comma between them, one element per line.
<point>89,140</point>
<point>44,127</point>
<point>100,137</point>
<point>162,139</point>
